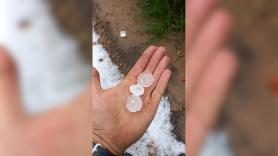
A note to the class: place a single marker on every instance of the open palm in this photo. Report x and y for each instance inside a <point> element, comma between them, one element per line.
<point>111,120</point>
<point>63,131</point>
<point>210,68</point>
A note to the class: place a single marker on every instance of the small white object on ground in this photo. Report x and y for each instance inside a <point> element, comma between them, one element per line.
<point>133,103</point>
<point>145,79</point>
<point>123,34</point>
<point>136,90</point>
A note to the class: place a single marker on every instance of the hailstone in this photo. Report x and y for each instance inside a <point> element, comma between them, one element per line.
<point>136,90</point>
<point>145,79</point>
<point>133,103</point>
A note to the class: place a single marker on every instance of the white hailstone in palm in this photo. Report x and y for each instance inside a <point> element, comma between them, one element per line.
<point>133,103</point>
<point>145,79</point>
<point>136,90</point>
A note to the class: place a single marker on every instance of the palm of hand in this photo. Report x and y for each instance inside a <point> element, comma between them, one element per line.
<point>63,131</point>
<point>210,68</point>
<point>111,120</point>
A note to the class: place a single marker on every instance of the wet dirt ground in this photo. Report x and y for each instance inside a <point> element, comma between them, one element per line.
<point>251,110</point>
<point>111,17</point>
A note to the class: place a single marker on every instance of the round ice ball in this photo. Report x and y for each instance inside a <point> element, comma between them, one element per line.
<point>136,90</point>
<point>133,103</point>
<point>145,79</point>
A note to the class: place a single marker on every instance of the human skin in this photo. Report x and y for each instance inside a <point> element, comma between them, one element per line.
<point>64,131</point>
<point>113,125</point>
<point>210,68</point>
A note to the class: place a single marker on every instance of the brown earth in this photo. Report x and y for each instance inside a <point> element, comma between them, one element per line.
<point>251,112</point>
<point>110,17</point>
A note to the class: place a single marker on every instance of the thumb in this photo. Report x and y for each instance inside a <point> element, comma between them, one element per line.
<point>10,102</point>
<point>96,81</point>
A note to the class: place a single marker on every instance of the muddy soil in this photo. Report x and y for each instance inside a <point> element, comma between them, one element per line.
<point>111,17</point>
<point>252,107</point>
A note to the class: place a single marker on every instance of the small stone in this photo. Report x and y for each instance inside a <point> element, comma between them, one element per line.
<point>145,79</point>
<point>136,90</point>
<point>133,103</point>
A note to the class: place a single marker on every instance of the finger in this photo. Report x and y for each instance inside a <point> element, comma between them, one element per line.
<point>141,64</point>
<point>157,73</point>
<point>159,91</point>
<point>196,12</point>
<point>149,109</point>
<point>207,101</point>
<point>96,81</point>
<point>205,48</point>
<point>158,55</point>
<point>10,102</point>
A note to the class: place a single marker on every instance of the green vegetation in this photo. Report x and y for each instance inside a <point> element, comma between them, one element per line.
<point>163,16</point>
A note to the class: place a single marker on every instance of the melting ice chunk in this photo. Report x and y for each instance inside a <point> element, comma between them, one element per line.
<point>133,103</point>
<point>136,90</point>
<point>145,79</point>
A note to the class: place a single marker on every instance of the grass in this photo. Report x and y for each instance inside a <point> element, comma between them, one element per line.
<point>163,16</point>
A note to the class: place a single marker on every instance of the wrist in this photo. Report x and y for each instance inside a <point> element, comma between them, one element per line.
<point>99,150</point>
<point>106,145</point>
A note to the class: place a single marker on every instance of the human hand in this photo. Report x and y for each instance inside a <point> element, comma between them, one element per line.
<point>64,131</point>
<point>209,66</point>
<point>113,125</point>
